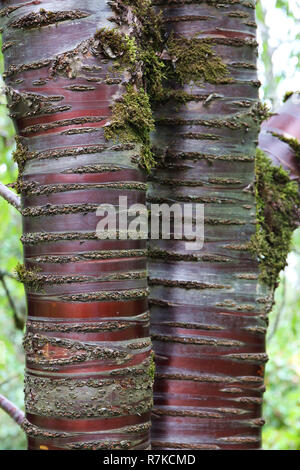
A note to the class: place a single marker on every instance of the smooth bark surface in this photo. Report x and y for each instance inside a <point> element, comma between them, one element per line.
<point>279,137</point>
<point>208,308</point>
<point>88,378</point>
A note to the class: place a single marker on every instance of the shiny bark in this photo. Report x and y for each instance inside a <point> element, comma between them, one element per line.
<point>279,137</point>
<point>88,378</point>
<point>208,308</point>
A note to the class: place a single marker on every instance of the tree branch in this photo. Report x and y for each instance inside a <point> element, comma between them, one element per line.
<point>280,310</point>
<point>19,322</point>
<point>10,196</point>
<point>15,413</point>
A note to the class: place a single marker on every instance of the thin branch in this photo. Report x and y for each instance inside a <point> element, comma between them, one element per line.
<point>15,413</point>
<point>280,310</point>
<point>10,196</point>
<point>19,322</point>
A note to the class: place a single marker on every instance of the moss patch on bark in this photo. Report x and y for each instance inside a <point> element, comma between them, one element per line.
<point>287,96</point>
<point>132,121</point>
<point>277,202</point>
<point>149,33</point>
<point>29,277</point>
<point>194,60</point>
<point>117,46</point>
<point>138,54</point>
<point>291,141</point>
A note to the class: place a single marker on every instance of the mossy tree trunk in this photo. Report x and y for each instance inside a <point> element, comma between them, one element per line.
<point>77,83</point>
<point>69,66</point>
<point>209,307</point>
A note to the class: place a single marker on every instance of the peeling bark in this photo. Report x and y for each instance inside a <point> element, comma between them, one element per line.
<point>208,308</point>
<point>89,367</point>
<point>280,137</point>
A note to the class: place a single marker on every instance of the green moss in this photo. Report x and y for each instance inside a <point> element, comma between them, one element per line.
<point>132,121</point>
<point>263,111</point>
<point>152,367</point>
<point>29,277</point>
<point>195,61</point>
<point>139,55</point>
<point>169,94</point>
<point>117,45</point>
<point>145,50</point>
<point>153,70</point>
<point>21,154</point>
<point>292,142</point>
<point>277,201</point>
<point>149,34</point>
<point>287,95</point>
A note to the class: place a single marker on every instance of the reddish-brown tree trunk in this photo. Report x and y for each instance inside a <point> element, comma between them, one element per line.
<point>208,308</point>
<point>88,354</point>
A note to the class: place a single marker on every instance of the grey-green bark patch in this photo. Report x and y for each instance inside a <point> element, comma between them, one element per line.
<point>78,399</point>
<point>277,203</point>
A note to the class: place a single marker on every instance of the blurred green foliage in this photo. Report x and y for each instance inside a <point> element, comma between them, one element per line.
<point>282,398</point>
<point>279,39</point>
<point>11,353</point>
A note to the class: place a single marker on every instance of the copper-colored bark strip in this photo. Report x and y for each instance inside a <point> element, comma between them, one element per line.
<point>88,377</point>
<point>208,309</point>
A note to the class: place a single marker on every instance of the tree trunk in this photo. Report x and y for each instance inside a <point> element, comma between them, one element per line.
<point>68,73</point>
<point>76,82</point>
<point>208,307</point>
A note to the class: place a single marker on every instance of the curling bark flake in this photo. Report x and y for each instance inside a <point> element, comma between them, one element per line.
<point>89,370</point>
<point>208,308</point>
<point>279,137</point>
